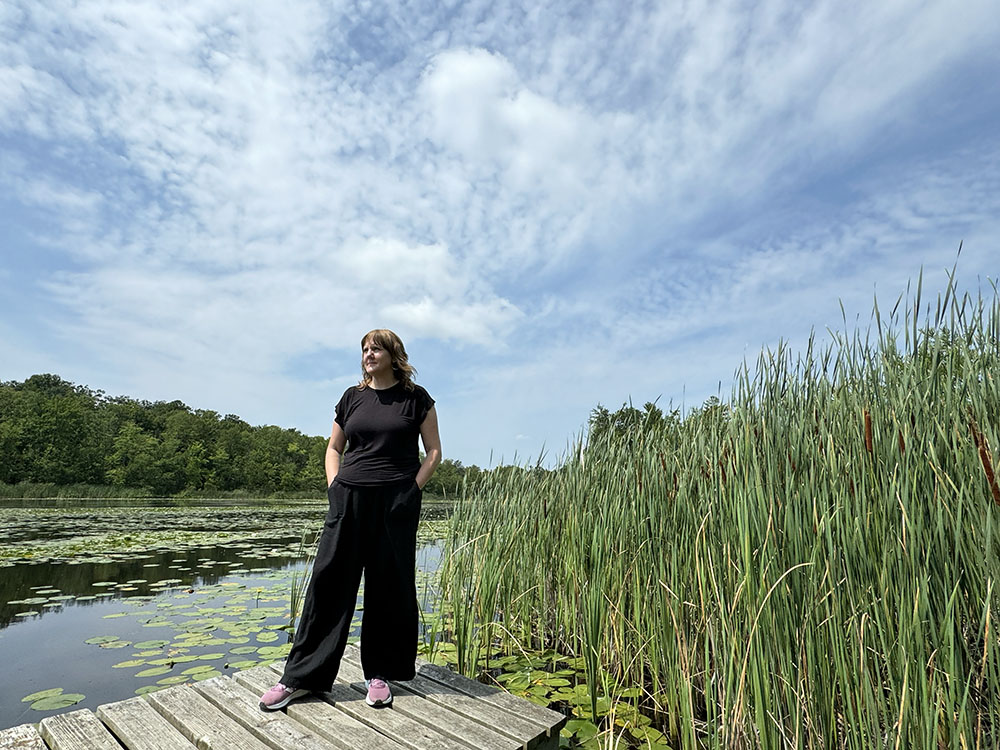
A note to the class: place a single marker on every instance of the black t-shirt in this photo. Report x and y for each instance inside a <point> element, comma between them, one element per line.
<point>382,427</point>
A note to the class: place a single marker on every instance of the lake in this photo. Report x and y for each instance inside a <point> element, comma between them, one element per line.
<point>103,600</point>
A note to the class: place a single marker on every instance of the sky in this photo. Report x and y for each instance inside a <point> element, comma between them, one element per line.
<point>555,205</point>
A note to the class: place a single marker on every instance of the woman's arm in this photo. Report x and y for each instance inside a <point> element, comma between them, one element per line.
<point>334,447</point>
<point>432,447</point>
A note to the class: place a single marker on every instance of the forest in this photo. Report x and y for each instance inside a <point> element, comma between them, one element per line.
<point>55,434</point>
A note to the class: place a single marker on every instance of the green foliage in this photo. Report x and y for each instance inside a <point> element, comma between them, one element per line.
<point>812,563</point>
<point>449,479</point>
<point>55,433</point>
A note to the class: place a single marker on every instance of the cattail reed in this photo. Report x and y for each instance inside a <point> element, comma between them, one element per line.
<point>845,603</point>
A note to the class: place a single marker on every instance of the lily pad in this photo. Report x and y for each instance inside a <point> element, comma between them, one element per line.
<point>56,702</point>
<point>199,669</point>
<point>129,663</point>
<point>152,672</point>
<point>41,694</point>
<point>175,680</point>
<point>151,644</point>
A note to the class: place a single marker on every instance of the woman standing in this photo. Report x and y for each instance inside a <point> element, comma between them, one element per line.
<point>374,495</point>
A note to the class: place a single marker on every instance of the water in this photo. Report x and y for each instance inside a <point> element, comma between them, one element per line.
<point>165,593</point>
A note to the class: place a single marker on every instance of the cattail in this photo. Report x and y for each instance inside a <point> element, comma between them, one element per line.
<point>985,458</point>
<point>902,443</point>
<point>868,431</point>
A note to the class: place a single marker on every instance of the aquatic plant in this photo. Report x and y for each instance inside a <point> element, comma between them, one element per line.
<point>810,563</point>
<point>300,578</point>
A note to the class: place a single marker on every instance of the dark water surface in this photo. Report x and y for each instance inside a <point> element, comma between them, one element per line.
<point>165,593</point>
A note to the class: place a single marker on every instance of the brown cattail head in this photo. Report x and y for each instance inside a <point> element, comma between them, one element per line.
<point>868,431</point>
<point>985,458</point>
<point>902,443</point>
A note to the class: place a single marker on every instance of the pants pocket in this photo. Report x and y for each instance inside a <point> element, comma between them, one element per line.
<point>336,494</point>
<point>404,506</point>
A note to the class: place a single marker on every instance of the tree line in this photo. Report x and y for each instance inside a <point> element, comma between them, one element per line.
<point>55,432</point>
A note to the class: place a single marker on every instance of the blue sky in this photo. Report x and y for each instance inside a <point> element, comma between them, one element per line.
<point>554,205</point>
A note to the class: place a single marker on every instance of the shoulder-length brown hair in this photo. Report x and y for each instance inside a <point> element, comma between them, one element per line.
<point>401,366</point>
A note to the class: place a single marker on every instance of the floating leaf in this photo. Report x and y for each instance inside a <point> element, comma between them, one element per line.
<point>152,672</point>
<point>175,680</point>
<point>151,644</point>
<point>198,669</point>
<point>41,694</point>
<point>102,639</point>
<point>243,664</point>
<point>55,702</point>
<point>129,663</point>
<point>149,689</point>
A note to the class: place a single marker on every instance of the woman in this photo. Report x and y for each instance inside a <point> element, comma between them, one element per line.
<point>371,526</point>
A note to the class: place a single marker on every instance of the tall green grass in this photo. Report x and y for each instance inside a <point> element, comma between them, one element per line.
<point>811,564</point>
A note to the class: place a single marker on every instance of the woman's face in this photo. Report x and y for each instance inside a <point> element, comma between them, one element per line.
<point>375,360</point>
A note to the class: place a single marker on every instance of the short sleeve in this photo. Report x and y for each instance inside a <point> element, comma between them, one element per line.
<point>341,410</point>
<point>424,404</point>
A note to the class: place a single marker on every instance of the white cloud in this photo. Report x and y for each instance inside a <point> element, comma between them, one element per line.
<point>228,187</point>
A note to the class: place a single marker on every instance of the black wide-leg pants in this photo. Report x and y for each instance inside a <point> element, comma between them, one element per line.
<point>371,530</point>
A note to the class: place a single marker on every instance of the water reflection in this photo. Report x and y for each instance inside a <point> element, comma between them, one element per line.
<point>216,599</point>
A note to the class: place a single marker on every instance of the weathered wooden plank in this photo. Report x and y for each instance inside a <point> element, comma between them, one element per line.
<point>526,733</point>
<point>21,737</point>
<point>274,728</point>
<point>77,730</point>
<point>138,726</point>
<point>442,718</point>
<point>336,723</point>
<point>546,718</point>
<point>200,721</point>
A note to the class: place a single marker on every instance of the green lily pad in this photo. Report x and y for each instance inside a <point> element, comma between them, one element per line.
<point>102,639</point>
<point>152,672</point>
<point>243,664</point>
<point>56,702</point>
<point>129,663</point>
<point>149,689</point>
<point>199,669</point>
<point>41,694</point>
<point>175,680</point>
<point>151,644</point>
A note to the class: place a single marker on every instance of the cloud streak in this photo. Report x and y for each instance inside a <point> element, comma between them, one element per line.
<point>223,189</point>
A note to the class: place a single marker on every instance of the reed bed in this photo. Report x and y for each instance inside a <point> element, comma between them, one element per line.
<point>812,563</point>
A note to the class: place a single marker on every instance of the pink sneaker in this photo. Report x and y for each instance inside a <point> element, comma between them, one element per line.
<point>378,692</point>
<point>280,696</point>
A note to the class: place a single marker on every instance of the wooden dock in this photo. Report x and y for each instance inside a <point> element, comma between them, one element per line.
<point>437,710</point>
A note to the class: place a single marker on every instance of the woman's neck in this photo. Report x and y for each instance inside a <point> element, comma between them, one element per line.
<point>380,383</point>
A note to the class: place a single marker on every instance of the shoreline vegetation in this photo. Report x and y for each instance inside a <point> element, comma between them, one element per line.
<point>58,439</point>
<point>812,563</point>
